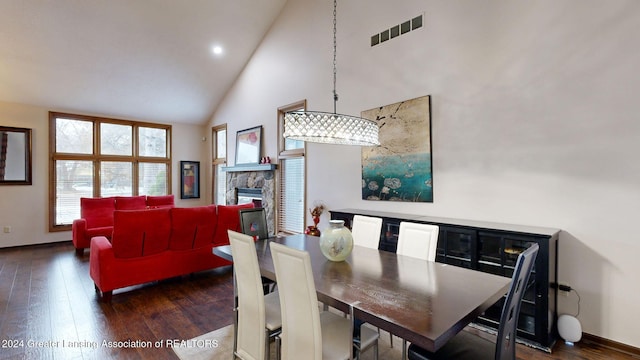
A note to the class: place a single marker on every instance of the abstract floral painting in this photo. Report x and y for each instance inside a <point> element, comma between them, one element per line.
<point>400,168</point>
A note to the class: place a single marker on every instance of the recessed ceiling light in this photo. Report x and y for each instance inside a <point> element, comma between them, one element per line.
<point>216,50</point>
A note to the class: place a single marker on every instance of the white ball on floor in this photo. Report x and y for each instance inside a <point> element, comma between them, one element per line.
<point>569,328</point>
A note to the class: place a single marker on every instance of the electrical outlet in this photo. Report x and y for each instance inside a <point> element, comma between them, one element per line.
<point>6,229</point>
<point>564,289</point>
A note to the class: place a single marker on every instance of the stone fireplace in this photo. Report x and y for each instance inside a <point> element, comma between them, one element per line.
<point>246,181</point>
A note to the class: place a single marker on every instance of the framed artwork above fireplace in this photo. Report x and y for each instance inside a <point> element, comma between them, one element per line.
<point>248,144</point>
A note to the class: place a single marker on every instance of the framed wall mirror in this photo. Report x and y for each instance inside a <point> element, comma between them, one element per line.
<point>15,156</point>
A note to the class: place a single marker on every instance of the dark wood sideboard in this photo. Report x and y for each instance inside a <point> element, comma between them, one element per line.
<point>493,248</point>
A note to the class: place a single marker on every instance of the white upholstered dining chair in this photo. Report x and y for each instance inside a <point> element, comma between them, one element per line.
<point>258,315</point>
<point>308,333</point>
<point>418,240</point>
<point>366,231</point>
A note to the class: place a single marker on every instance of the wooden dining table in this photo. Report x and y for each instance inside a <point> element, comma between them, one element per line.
<point>423,302</point>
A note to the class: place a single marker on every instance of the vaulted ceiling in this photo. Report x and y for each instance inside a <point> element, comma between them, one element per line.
<point>148,60</point>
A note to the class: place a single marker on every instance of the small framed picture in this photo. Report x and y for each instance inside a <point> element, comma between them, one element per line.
<point>248,143</point>
<point>189,179</point>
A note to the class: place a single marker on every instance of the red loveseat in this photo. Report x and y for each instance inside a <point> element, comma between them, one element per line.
<point>156,244</point>
<point>96,215</point>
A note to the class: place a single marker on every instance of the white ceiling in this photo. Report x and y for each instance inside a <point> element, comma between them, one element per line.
<point>146,60</point>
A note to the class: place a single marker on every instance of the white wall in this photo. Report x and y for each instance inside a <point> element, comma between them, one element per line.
<point>25,207</point>
<point>534,121</point>
<point>190,144</point>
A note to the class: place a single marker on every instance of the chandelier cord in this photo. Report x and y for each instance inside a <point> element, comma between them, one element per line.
<point>331,128</point>
<point>335,50</point>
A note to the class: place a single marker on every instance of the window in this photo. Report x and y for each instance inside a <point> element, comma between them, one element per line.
<point>291,200</point>
<point>219,186</point>
<point>100,157</point>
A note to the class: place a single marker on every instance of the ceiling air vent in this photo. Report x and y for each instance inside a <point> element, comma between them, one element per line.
<point>397,30</point>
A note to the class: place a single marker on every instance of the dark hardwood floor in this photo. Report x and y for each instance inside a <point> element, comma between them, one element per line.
<point>49,310</point>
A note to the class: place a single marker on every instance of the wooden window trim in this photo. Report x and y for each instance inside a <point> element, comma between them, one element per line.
<point>215,160</point>
<point>288,154</point>
<point>96,157</point>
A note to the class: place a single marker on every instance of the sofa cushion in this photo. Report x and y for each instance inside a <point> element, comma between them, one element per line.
<point>131,202</point>
<point>193,227</point>
<point>140,232</point>
<point>228,219</point>
<point>160,201</point>
<point>98,212</point>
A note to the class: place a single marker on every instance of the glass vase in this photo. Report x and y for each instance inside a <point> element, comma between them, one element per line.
<point>336,241</point>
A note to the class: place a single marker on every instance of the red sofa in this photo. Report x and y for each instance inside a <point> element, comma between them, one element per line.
<point>96,215</point>
<point>156,244</point>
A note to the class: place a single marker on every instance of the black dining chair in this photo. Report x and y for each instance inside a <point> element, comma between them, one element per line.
<point>468,346</point>
<point>253,222</point>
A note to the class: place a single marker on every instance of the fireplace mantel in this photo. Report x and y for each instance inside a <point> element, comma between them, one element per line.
<point>251,167</point>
